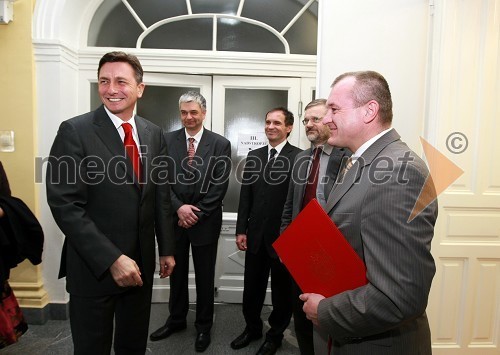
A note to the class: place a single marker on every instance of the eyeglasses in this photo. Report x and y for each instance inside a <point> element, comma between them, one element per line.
<point>305,121</point>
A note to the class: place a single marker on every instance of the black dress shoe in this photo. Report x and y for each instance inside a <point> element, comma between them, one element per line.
<point>268,348</point>
<point>165,332</point>
<point>244,339</point>
<point>202,342</point>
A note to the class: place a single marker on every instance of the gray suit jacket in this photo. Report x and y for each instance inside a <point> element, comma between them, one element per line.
<point>372,207</point>
<point>298,181</point>
<point>98,204</point>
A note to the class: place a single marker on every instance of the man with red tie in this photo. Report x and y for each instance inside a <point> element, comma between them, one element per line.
<point>313,176</point>
<point>106,190</point>
<point>201,164</point>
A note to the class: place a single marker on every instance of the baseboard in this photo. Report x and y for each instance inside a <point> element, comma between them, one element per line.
<point>54,311</point>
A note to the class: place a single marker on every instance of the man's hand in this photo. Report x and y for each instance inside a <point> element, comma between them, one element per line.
<point>310,308</point>
<point>241,242</point>
<point>125,272</point>
<point>2,213</point>
<point>167,264</point>
<point>187,217</point>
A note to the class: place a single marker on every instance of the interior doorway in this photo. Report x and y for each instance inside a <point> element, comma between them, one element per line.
<point>236,108</point>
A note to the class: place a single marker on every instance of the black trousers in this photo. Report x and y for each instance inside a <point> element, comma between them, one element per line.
<point>204,258</point>
<point>92,318</point>
<point>303,326</point>
<point>257,268</point>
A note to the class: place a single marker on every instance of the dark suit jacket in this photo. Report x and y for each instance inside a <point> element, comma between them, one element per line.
<point>263,196</point>
<point>372,209</point>
<point>203,185</point>
<point>98,205</point>
<point>298,182</point>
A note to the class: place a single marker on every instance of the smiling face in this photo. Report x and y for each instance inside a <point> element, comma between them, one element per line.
<point>276,129</point>
<point>192,116</point>
<point>343,118</point>
<point>118,88</point>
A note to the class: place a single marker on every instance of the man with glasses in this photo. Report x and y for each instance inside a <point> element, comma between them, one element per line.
<point>313,176</point>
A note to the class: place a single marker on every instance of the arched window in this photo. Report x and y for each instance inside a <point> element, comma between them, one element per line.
<point>277,26</point>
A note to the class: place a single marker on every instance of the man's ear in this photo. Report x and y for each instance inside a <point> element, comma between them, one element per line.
<point>371,111</point>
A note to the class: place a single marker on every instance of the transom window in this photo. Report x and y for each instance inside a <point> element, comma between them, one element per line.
<point>277,26</point>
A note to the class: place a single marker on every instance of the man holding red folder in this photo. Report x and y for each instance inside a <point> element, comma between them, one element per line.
<point>371,204</point>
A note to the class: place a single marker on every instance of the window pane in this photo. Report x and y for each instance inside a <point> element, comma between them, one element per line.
<point>215,6</point>
<point>113,26</point>
<point>160,105</point>
<point>303,35</point>
<point>276,13</point>
<point>152,11</point>
<point>245,112</point>
<point>239,36</point>
<point>187,34</point>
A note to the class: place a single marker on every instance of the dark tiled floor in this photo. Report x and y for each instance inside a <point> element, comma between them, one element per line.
<point>54,337</point>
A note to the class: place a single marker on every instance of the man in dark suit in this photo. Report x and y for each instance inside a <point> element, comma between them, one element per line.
<point>201,164</point>
<point>313,176</point>
<point>373,204</point>
<point>263,193</point>
<point>110,202</point>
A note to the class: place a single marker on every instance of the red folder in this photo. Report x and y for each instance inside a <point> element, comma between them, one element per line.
<point>318,256</point>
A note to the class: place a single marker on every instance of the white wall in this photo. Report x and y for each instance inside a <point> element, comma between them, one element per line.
<point>390,37</point>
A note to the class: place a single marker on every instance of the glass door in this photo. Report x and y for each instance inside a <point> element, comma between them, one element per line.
<point>239,108</point>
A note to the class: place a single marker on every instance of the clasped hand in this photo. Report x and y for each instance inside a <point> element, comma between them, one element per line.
<point>187,216</point>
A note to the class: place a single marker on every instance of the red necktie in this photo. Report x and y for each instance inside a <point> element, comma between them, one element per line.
<point>191,150</point>
<point>131,148</point>
<point>312,179</point>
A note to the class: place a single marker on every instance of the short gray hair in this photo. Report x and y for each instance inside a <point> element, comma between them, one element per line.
<point>193,96</point>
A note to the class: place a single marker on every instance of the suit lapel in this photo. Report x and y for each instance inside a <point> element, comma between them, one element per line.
<point>110,137</point>
<point>144,134</point>
<point>335,163</point>
<point>204,145</point>
<point>179,146</point>
<point>353,174</point>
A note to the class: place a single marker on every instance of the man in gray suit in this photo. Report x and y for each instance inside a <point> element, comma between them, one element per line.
<point>313,175</point>
<point>111,202</point>
<point>372,205</point>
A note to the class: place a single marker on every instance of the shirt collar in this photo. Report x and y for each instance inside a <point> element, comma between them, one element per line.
<point>278,148</point>
<point>367,144</point>
<point>117,121</point>
<point>327,148</point>
<point>197,136</point>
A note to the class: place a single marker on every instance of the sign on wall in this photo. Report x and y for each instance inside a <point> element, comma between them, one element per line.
<point>250,141</point>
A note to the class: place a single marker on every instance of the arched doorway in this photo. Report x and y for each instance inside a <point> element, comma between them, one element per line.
<point>70,37</point>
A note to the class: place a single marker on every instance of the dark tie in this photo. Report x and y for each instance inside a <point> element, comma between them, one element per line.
<point>272,153</point>
<point>312,179</point>
<point>269,165</point>
<point>131,148</point>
